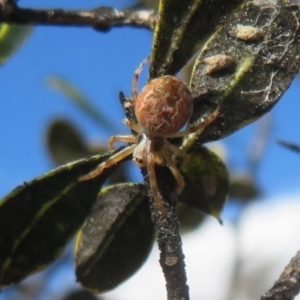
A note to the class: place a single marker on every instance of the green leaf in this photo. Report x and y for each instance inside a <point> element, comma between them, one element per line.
<point>244,187</point>
<point>264,65</point>
<point>206,182</point>
<point>12,37</point>
<point>82,101</point>
<point>189,218</point>
<point>79,294</point>
<point>150,3</point>
<point>115,239</point>
<point>181,27</point>
<point>38,218</point>
<point>65,142</point>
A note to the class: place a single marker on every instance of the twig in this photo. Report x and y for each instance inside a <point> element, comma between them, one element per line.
<point>168,237</point>
<point>288,284</point>
<point>289,145</point>
<point>101,18</point>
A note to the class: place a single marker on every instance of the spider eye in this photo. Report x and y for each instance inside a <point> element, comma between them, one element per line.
<point>164,106</point>
<point>138,161</point>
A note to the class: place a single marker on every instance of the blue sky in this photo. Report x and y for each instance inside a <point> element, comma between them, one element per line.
<point>101,65</point>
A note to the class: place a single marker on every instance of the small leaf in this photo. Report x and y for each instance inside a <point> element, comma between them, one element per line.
<point>65,143</point>
<point>82,101</point>
<point>206,182</point>
<point>181,27</point>
<point>12,37</point>
<point>189,218</point>
<point>38,218</point>
<point>244,187</point>
<point>80,295</point>
<point>115,239</point>
<point>150,3</point>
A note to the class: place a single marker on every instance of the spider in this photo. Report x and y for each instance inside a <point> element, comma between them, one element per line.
<point>162,108</point>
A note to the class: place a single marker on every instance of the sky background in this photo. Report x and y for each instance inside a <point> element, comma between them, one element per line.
<point>101,65</point>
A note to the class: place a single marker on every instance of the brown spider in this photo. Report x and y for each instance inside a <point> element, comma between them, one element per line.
<point>162,108</point>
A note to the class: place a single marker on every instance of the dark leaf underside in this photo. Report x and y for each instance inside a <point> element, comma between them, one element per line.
<point>38,218</point>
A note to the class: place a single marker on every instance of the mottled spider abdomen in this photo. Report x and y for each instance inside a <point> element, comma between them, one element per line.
<point>163,106</point>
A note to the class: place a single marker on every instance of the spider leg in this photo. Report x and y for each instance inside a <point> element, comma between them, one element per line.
<point>198,127</point>
<point>176,150</point>
<point>172,166</point>
<point>121,138</point>
<point>136,79</point>
<point>152,179</point>
<point>114,159</point>
<point>134,126</point>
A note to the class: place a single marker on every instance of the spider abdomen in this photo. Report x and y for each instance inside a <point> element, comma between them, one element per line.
<point>164,106</point>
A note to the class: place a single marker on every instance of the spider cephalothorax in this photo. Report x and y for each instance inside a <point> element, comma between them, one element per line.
<point>162,108</point>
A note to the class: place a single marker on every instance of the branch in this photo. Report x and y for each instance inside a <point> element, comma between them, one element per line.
<point>168,236</point>
<point>289,145</point>
<point>288,284</point>
<point>101,18</point>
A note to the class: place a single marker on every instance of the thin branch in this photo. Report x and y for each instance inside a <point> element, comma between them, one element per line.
<point>288,284</point>
<point>289,145</point>
<point>101,18</point>
<point>168,236</point>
